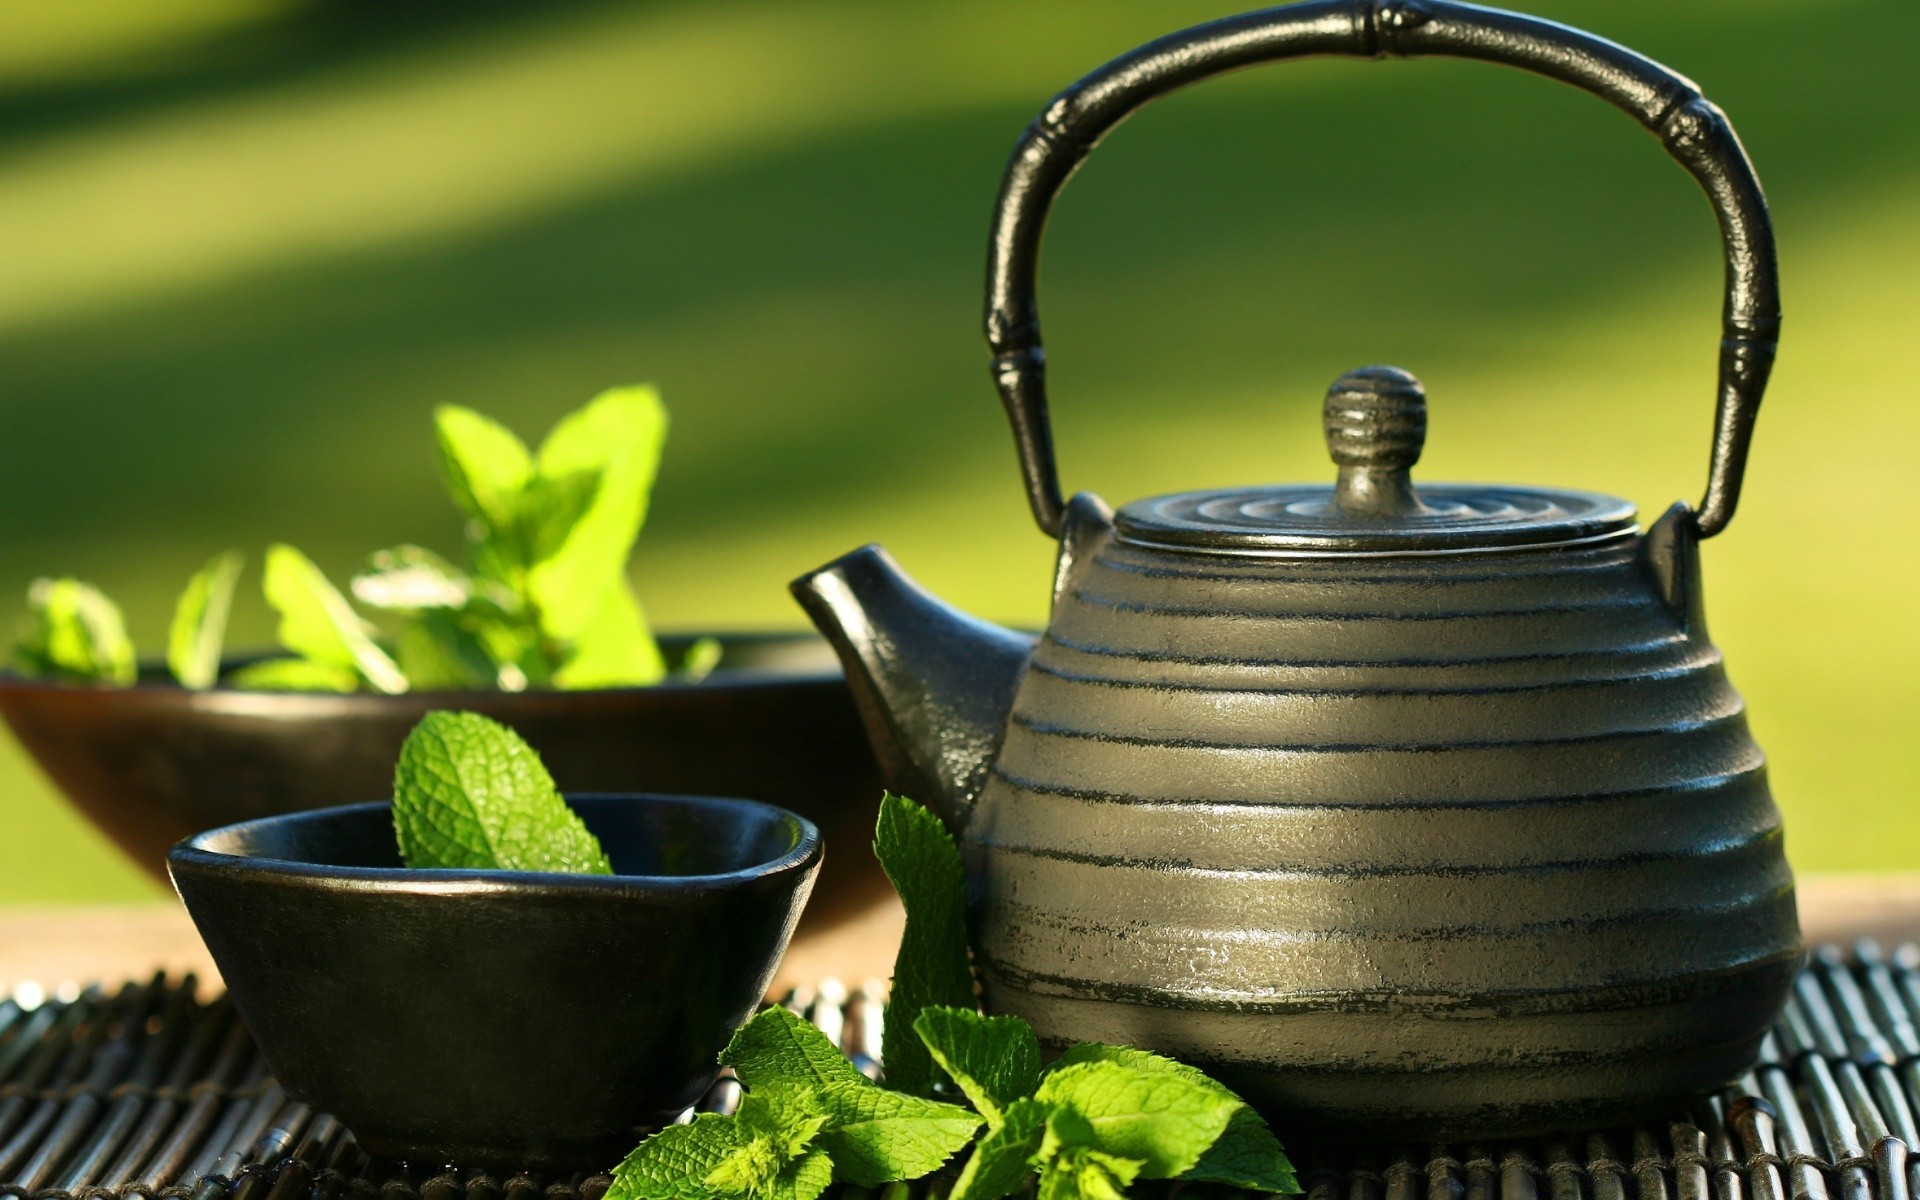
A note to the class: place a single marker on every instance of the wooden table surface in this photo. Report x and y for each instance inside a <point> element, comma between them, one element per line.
<point>112,942</point>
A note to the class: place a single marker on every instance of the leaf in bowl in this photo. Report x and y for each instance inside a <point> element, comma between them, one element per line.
<point>76,633</point>
<point>200,622</point>
<point>470,793</point>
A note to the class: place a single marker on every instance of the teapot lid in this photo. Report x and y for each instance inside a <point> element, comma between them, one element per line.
<point>1375,422</point>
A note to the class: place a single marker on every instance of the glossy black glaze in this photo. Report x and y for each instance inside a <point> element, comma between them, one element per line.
<point>1693,130</point>
<point>153,764</point>
<point>1424,810</point>
<point>496,1017</point>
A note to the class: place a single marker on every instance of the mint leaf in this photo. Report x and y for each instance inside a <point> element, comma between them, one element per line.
<point>317,623</point>
<point>294,675</point>
<point>409,579</point>
<point>778,1048</point>
<point>1163,1119</point>
<point>919,856</point>
<point>200,622</point>
<point>877,1136</point>
<point>74,632</point>
<point>468,792</point>
<point>617,436</point>
<point>874,1135</point>
<point>675,1163</point>
<point>1003,1161</point>
<point>700,659</point>
<point>615,649</point>
<point>486,465</point>
<point>439,653</point>
<point>550,508</point>
<point>1247,1155</point>
<point>994,1060</point>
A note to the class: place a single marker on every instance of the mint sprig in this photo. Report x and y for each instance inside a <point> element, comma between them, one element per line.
<point>469,792</point>
<point>808,1118</point>
<point>1089,1127</point>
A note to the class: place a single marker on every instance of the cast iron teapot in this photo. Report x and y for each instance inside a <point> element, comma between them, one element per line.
<point>1427,807</point>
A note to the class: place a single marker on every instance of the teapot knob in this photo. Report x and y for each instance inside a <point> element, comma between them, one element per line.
<point>1375,421</point>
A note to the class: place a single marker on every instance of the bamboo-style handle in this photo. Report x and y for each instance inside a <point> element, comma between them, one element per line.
<point>1693,130</point>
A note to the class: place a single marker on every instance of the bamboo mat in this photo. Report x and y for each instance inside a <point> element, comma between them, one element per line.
<point>151,1090</point>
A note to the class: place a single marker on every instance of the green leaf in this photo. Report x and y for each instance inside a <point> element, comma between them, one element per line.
<point>874,1135</point>
<point>877,1136</point>
<point>551,507</point>
<point>486,465</point>
<point>74,632</point>
<point>200,622</point>
<point>468,792</point>
<point>439,653</point>
<point>994,1060</point>
<point>295,675</point>
<point>932,967</point>
<point>1247,1155</point>
<point>675,1163</point>
<point>700,659</point>
<point>778,1048</point>
<point>1003,1161</point>
<point>618,434</point>
<point>615,649</point>
<point>1163,1119</point>
<point>317,623</point>
<point>411,579</point>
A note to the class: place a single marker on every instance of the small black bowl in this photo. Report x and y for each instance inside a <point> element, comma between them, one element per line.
<point>501,1018</point>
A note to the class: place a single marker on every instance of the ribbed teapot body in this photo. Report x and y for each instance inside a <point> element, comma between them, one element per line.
<point>1481,837</point>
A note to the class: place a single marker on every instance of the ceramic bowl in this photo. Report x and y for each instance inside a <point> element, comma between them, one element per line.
<point>501,1018</point>
<point>155,763</point>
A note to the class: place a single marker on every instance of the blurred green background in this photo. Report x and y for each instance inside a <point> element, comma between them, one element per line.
<point>249,243</point>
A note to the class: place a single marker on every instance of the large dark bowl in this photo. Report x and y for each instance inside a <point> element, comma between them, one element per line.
<point>155,763</point>
<point>501,1017</point>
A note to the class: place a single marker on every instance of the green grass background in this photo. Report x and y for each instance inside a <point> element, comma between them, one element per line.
<point>249,243</point>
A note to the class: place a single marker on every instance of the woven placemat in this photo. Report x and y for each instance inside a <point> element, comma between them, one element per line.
<point>147,1090</point>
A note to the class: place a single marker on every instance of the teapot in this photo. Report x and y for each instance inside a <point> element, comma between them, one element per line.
<point>1424,808</point>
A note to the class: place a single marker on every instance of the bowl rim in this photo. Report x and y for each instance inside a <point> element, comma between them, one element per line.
<point>190,853</point>
<point>152,678</point>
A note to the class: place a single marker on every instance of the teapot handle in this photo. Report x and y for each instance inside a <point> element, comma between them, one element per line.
<point>1693,130</point>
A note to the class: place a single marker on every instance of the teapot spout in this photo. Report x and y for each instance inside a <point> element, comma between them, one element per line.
<point>933,685</point>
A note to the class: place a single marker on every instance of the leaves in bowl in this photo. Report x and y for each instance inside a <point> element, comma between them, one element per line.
<point>468,792</point>
<point>544,602</point>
